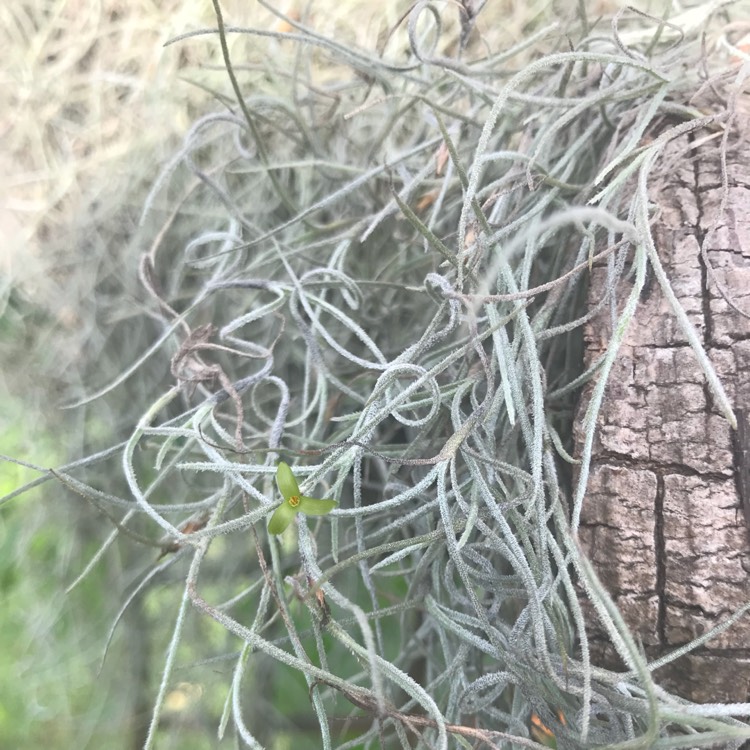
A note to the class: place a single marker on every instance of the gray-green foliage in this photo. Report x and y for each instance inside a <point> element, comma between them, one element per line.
<point>383,288</point>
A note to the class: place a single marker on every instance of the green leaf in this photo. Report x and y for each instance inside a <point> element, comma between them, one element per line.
<point>285,480</point>
<point>541,732</point>
<point>281,518</point>
<point>311,506</point>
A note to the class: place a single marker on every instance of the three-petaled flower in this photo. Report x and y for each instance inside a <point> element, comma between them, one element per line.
<point>294,502</point>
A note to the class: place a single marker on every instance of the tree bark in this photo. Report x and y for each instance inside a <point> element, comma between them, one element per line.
<point>662,520</point>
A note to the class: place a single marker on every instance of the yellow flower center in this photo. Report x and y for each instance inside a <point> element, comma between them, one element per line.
<point>294,501</point>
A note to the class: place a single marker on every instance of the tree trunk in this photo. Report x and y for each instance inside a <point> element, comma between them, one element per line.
<point>663,517</point>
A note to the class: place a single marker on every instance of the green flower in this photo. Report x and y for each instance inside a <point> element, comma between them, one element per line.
<point>294,502</point>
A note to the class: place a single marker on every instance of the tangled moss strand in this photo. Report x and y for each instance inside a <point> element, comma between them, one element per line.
<point>378,274</point>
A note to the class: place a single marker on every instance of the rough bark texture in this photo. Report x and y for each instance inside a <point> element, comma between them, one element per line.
<point>662,519</point>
